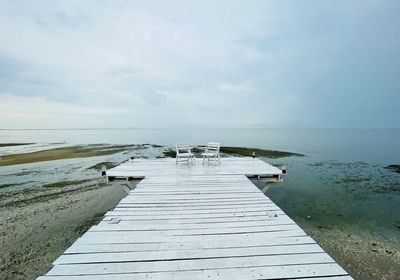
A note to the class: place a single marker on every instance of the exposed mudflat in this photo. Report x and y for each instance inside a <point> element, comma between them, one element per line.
<point>36,226</point>
<point>350,209</point>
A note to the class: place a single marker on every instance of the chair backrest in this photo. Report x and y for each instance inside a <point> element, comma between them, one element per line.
<point>182,148</point>
<point>213,147</point>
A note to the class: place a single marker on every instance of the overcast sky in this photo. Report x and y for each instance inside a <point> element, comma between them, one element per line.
<point>200,64</point>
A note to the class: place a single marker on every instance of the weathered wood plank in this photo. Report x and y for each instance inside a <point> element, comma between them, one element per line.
<point>190,264</point>
<point>203,231</point>
<point>264,272</point>
<point>196,222</point>
<point>252,274</point>
<point>158,255</point>
<point>147,168</point>
<point>79,247</point>
<point>134,225</point>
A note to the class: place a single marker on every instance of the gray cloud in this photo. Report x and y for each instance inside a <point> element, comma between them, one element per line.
<point>153,64</point>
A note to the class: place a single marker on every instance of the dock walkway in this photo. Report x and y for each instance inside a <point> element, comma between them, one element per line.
<point>214,225</point>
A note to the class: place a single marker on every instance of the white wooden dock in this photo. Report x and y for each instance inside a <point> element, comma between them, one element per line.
<point>141,168</point>
<point>210,225</point>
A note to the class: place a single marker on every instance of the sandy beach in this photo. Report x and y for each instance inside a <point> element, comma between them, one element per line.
<point>363,255</point>
<point>36,226</point>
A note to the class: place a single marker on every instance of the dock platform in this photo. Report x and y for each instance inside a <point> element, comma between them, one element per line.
<point>141,168</point>
<point>202,222</point>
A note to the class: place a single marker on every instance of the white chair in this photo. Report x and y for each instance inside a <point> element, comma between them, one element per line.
<point>183,152</point>
<point>212,152</point>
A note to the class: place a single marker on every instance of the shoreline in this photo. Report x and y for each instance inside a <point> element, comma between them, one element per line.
<point>36,232</point>
<point>14,144</point>
<point>82,151</point>
<point>38,223</point>
<point>78,151</point>
<point>363,255</point>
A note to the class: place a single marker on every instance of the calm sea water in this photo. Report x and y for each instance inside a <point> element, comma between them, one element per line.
<point>372,146</point>
<point>340,182</point>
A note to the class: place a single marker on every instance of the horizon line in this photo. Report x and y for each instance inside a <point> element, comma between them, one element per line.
<point>197,128</point>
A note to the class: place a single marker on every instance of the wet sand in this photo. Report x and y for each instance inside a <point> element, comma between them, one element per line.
<point>363,255</point>
<point>38,224</point>
<point>63,153</point>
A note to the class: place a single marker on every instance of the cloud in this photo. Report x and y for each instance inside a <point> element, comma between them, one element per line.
<point>235,88</point>
<point>148,63</point>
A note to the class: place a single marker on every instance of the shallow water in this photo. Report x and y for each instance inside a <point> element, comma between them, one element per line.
<point>340,183</point>
<point>17,177</point>
<point>371,146</point>
<point>353,196</point>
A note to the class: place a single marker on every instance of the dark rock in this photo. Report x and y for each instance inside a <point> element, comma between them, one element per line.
<point>394,167</point>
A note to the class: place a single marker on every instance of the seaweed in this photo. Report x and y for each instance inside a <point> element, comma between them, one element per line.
<point>99,165</point>
<point>48,196</point>
<point>156,146</point>
<point>169,153</point>
<point>14,144</point>
<point>6,186</point>
<point>242,151</point>
<point>394,167</point>
<point>63,184</point>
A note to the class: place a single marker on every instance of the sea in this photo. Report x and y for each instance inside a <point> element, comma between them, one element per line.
<point>342,181</point>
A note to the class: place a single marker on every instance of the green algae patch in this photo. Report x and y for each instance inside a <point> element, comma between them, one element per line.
<point>63,153</point>
<point>353,179</point>
<point>394,167</point>
<point>14,144</point>
<point>241,151</point>
<point>63,184</point>
<point>99,165</point>
<point>50,195</point>
<point>156,146</point>
<point>3,186</point>
<point>169,153</point>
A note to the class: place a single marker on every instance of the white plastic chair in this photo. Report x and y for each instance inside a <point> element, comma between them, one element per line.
<point>183,152</point>
<point>212,152</point>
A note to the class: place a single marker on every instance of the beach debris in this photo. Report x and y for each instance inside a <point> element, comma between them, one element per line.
<point>308,217</point>
<point>272,214</point>
<point>114,220</point>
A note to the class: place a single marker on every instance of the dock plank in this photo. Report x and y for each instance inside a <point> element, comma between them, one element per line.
<point>265,272</point>
<point>195,222</point>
